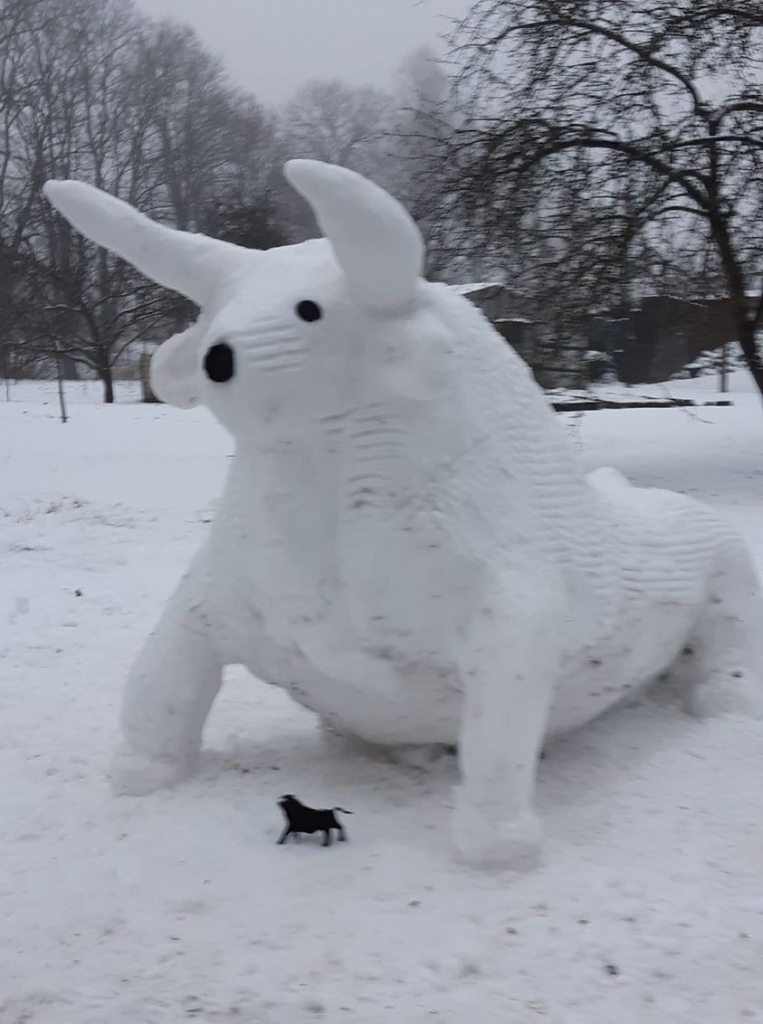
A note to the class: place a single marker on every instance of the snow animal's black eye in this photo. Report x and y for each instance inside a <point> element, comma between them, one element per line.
<point>219,363</point>
<point>309,310</point>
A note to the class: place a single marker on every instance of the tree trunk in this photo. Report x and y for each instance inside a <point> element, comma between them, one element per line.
<point>751,354</point>
<point>108,385</point>
<point>59,377</point>
<point>745,322</point>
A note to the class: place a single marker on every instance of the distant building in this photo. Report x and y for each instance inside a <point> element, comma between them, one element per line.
<point>516,318</point>
<point>658,337</point>
<point>661,335</point>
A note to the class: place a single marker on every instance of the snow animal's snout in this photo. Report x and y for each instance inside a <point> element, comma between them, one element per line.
<point>220,363</point>
<point>321,356</point>
<point>249,356</point>
<point>276,371</point>
<point>269,346</point>
<point>236,371</point>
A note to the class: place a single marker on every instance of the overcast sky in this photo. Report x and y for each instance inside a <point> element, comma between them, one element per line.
<point>271,46</point>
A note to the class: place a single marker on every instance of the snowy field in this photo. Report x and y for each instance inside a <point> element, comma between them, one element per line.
<point>179,906</point>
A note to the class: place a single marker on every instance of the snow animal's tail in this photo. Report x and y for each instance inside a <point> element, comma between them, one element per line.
<point>342,809</point>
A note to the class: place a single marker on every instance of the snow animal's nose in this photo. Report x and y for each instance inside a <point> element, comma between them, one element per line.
<point>219,363</point>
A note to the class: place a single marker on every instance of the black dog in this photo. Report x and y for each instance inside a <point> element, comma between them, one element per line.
<point>309,819</point>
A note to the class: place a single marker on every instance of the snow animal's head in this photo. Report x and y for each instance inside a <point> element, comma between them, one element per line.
<point>291,333</point>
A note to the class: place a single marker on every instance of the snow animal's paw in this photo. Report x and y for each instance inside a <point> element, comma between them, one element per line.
<point>736,693</point>
<point>486,841</point>
<point>134,773</point>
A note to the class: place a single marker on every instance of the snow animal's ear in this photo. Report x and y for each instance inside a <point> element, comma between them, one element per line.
<point>175,368</point>
<point>193,265</point>
<point>374,237</point>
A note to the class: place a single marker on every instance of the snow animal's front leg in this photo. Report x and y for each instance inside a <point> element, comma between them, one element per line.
<point>510,664</point>
<point>169,693</point>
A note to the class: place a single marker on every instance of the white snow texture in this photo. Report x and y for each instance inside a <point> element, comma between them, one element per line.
<point>407,542</point>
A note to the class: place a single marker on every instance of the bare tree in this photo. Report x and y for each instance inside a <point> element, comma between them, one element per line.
<point>17,17</point>
<point>336,122</point>
<point>212,150</point>
<point>20,20</point>
<point>415,170</point>
<point>664,97</point>
<point>83,121</point>
<point>93,90</point>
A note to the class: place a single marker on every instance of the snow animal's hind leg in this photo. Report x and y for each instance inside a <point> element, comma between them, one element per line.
<point>510,668</point>
<point>169,693</point>
<point>723,661</point>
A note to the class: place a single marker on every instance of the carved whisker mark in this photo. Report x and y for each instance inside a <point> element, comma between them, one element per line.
<point>278,365</point>
<point>280,368</point>
<point>382,444</point>
<point>366,479</point>
<point>263,329</point>
<point>281,357</point>
<point>377,432</point>
<point>377,437</point>
<point>272,340</point>
<point>364,498</point>
<point>334,420</point>
<point>275,360</point>
<point>255,356</point>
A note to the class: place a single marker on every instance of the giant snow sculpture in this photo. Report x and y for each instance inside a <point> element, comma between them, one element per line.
<point>406,541</point>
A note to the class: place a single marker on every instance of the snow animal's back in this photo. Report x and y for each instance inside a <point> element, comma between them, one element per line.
<point>519,439</point>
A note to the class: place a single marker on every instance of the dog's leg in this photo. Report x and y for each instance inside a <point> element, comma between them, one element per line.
<point>169,693</point>
<point>510,665</point>
<point>326,838</point>
<point>284,835</point>
<point>342,834</point>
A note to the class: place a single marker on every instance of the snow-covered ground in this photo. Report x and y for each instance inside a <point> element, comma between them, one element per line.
<point>180,906</point>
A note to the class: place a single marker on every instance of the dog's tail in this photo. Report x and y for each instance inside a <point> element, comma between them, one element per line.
<point>342,809</point>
